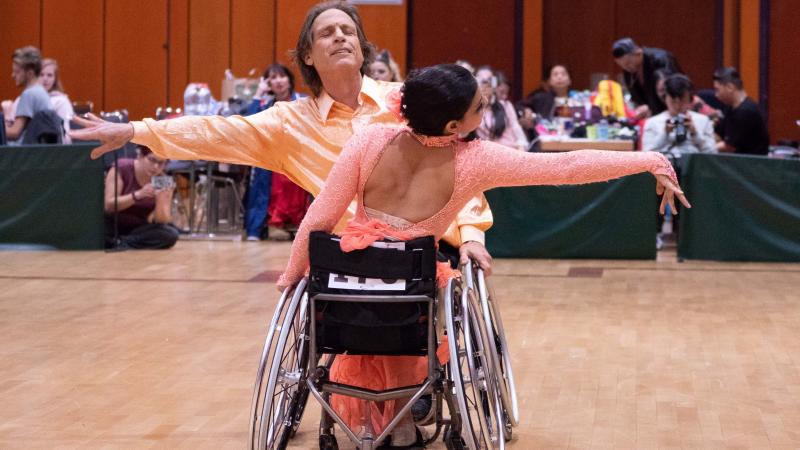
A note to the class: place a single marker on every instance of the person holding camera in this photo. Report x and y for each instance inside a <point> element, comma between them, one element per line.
<point>500,123</point>
<point>143,206</point>
<point>678,130</point>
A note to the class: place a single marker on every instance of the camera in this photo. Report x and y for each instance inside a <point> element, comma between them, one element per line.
<point>162,182</point>
<point>679,125</point>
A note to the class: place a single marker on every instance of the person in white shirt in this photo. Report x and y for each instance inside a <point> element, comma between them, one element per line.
<point>678,130</point>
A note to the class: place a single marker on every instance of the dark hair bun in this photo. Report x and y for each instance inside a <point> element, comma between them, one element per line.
<point>433,96</point>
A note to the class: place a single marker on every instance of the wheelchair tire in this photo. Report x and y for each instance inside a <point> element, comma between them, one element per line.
<point>498,350</point>
<point>476,398</point>
<point>286,392</point>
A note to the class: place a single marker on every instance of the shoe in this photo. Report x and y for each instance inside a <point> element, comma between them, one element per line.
<point>421,408</point>
<point>659,243</point>
<point>279,234</point>
<point>252,239</point>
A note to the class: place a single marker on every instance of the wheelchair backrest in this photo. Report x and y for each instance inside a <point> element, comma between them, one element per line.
<point>375,301</point>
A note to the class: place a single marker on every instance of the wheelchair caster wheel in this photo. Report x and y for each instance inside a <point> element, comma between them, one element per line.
<point>328,442</point>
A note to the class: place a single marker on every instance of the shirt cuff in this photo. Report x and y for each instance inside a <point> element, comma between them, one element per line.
<point>140,130</point>
<point>471,233</point>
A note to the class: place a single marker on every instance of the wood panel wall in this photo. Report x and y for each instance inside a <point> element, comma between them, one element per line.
<point>579,33</point>
<point>445,31</point>
<point>140,55</point>
<point>784,94</point>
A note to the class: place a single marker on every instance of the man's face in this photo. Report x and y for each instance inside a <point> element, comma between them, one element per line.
<point>678,105</point>
<point>631,62</point>
<point>334,43</point>
<point>724,92</point>
<point>18,75</point>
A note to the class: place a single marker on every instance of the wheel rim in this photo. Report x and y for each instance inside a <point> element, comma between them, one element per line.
<point>286,391</point>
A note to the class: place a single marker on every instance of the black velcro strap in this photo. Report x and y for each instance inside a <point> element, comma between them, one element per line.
<point>417,261</point>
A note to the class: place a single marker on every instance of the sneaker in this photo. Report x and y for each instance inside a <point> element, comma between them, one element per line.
<point>252,239</point>
<point>659,243</point>
<point>279,234</point>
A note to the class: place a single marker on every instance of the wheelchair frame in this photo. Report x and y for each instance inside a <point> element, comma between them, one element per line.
<point>477,383</point>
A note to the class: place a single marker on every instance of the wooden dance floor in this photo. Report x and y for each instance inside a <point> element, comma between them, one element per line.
<point>142,350</point>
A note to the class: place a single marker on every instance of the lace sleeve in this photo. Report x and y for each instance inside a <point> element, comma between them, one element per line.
<point>340,189</point>
<point>497,166</point>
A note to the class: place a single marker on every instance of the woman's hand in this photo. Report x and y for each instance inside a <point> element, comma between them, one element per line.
<point>147,191</point>
<point>669,190</point>
<point>282,286</point>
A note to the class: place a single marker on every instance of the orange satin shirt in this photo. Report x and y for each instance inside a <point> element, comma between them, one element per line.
<point>301,139</point>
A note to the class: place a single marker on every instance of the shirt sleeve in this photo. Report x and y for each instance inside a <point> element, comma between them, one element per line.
<point>254,140</point>
<point>655,135</point>
<point>511,115</point>
<point>25,106</point>
<point>704,140</point>
<point>471,223</point>
<point>328,207</point>
<point>498,166</point>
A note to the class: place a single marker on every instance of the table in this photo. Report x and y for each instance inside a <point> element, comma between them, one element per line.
<point>569,144</point>
<point>744,208</point>
<point>614,220</point>
<point>51,196</point>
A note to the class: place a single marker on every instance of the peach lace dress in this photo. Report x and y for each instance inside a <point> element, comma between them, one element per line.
<point>479,166</point>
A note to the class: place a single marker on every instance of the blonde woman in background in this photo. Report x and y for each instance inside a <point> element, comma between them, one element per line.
<point>60,102</point>
<point>384,68</point>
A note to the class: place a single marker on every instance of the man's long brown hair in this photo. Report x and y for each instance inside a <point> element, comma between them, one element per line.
<point>306,38</point>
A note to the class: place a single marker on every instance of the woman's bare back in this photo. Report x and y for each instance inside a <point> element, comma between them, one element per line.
<point>411,181</point>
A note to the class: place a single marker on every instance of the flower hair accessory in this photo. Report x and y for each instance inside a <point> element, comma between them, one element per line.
<point>394,103</point>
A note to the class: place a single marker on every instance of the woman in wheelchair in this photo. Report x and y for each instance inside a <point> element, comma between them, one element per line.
<point>411,181</point>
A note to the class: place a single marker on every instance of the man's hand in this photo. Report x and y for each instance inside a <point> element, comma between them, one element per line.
<point>111,135</point>
<point>642,111</point>
<point>476,251</point>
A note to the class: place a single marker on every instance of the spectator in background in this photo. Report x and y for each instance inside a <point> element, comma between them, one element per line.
<point>745,130</point>
<point>143,212</point>
<point>25,69</point>
<point>51,81</point>
<point>503,90</point>
<point>270,193</point>
<point>640,66</point>
<point>467,65</point>
<point>678,130</point>
<point>554,92</point>
<point>499,122</point>
<point>384,68</point>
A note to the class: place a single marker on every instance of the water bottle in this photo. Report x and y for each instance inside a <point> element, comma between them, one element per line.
<point>190,100</point>
<point>203,99</point>
<point>602,130</point>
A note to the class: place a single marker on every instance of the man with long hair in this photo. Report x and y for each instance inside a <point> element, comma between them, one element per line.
<point>301,139</point>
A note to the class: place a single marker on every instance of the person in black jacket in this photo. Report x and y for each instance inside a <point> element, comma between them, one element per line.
<point>640,65</point>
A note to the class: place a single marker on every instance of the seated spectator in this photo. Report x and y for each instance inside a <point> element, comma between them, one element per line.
<point>25,68</point>
<point>384,68</point>
<point>639,66</point>
<point>499,122</point>
<point>745,130</point>
<point>267,189</point>
<point>678,130</point>
<point>554,92</point>
<point>51,81</point>
<point>143,212</point>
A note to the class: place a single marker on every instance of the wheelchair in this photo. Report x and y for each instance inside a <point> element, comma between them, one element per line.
<point>384,300</point>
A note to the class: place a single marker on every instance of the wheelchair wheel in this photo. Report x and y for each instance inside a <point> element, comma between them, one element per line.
<point>498,352</point>
<point>285,392</point>
<point>266,357</point>
<point>475,388</point>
